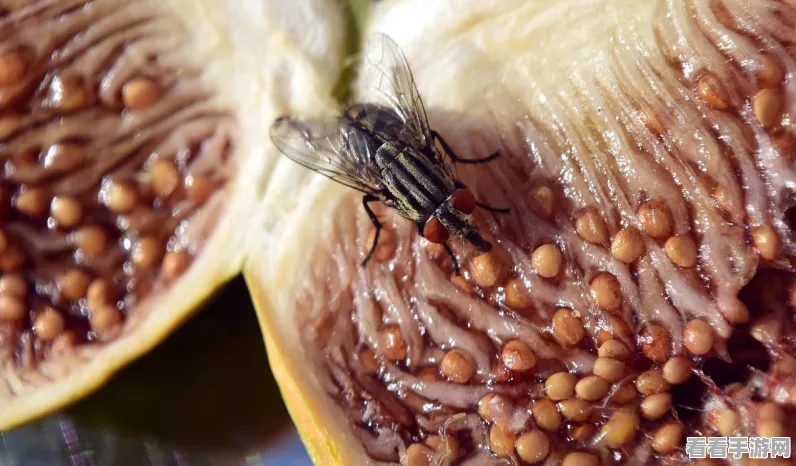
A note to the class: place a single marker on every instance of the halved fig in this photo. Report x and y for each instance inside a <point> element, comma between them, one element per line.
<point>639,291</point>
<point>133,159</point>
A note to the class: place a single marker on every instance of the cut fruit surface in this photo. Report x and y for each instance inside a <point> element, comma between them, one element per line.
<point>646,159</point>
<point>130,137</point>
<point>639,291</point>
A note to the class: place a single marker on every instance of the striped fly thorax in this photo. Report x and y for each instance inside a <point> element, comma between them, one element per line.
<point>416,186</point>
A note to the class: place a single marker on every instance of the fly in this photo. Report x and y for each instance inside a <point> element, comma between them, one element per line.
<point>387,151</point>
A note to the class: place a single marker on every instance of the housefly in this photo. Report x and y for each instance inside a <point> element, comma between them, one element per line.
<point>386,150</point>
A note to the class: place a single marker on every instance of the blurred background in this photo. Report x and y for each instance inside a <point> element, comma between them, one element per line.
<point>205,396</point>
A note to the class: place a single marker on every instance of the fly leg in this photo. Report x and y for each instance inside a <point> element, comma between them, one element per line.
<point>447,249</point>
<point>456,158</point>
<point>365,200</point>
<point>497,210</point>
<point>453,258</point>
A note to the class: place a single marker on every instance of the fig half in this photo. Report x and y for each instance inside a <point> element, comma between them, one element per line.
<point>133,161</point>
<point>647,158</point>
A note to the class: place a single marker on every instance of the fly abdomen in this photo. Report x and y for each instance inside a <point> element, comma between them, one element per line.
<point>380,122</point>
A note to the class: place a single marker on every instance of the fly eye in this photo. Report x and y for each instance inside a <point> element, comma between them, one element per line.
<point>463,201</point>
<point>435,231</point>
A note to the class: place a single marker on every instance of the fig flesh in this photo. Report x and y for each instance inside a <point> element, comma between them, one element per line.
<point>647,164</point>
<point>131,163</point>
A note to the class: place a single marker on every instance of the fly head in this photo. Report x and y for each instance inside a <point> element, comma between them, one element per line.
<point>454,218</point>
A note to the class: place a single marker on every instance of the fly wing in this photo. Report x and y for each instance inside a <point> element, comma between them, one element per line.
<point>332,148</point>
<point>390,85</point>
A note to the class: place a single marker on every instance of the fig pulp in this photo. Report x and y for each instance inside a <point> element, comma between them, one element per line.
<point>115,165</point>
<point>647,161</point>
<point>129,173</point>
